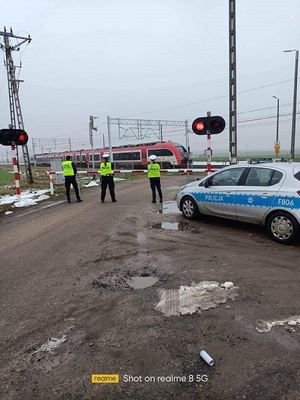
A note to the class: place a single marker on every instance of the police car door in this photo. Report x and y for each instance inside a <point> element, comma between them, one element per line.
<point>256,195</point>
<point>218,196</point>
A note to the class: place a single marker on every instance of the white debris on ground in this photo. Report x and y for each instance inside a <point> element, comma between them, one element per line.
<point>52,344</point>
<point>97,182</point>
<point>265,326</point>
<point>92,183</point>
<point>32,197</point>
<point>28,198</point>
<point>192,299</point>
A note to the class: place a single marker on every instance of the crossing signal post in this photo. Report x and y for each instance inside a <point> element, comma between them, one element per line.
<point>208,126</point>
<point>14,137</point>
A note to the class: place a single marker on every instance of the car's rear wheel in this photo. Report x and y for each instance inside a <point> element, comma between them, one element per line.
<point>283,227</point>
<point>189,208</point>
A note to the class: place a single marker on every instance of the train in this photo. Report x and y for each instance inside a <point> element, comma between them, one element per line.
<point>169,155</point>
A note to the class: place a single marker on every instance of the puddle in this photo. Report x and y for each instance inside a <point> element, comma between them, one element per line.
<point>170,207</point>
<point>141,282</point>
<point>174,226</point>
<point>128,280</point>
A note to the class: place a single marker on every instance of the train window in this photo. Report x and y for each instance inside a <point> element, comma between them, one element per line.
<point>181,149</point>
<point>80,157</point>
<point>96,157</point>
<point>160,152</point>
<point>127,156</point>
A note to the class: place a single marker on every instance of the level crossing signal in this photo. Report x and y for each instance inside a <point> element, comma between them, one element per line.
<point>208,125</point>
<point>13,137</point>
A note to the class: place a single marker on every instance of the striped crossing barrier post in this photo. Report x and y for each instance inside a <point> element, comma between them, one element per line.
<point>16,172</point>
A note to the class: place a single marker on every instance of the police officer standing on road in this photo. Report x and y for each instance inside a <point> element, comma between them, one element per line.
<point>154,177</point>
<point>70,171</point>
<point>107,179</point>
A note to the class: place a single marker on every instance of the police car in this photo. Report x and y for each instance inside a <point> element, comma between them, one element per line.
<point>265,194</point>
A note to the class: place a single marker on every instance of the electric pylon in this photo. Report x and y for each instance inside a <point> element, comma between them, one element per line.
<point>16,117</point>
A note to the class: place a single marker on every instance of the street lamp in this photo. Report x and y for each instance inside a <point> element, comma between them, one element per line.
<point>277,144</point>
<point>294,103</point>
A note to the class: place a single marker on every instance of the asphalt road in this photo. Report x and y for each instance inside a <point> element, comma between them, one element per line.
<point>67,272</point>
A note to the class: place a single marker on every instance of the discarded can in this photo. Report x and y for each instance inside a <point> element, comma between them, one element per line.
<point>207,358</point>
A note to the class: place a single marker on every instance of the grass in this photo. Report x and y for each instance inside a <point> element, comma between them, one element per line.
<point>5,178</point>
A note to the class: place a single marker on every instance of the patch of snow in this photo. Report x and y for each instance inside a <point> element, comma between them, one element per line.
<point>52,344</point>
<point>263,326</point>
<point>192,299</point>
<point>28,198</point>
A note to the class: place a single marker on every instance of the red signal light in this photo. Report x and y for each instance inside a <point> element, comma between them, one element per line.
<point>22,138</point>
<point>208,125</point>
<point>199,126</point>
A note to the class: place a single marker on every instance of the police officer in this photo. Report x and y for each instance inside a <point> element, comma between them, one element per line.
<point>70,171</point>
<point>107,179</point>
<point>154,177</point>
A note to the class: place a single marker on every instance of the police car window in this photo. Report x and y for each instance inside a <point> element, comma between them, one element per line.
<point>297,175</point>
<point>229,177</point>
<point>263,177</point>
<point>276,177</point>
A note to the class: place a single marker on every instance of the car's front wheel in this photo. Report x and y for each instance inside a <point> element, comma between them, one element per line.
<point>283,227</point>
<point>189,208</point>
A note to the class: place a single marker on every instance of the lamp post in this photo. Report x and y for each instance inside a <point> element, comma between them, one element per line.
<point>277,144</point>
<point>293,135</point>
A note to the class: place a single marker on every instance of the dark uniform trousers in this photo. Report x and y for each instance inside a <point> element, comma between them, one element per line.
<point>71,180</point>
<point>155,183</point>
<point>107,180</point>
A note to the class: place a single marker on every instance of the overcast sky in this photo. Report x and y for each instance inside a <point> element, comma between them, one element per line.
<point>151,59</point>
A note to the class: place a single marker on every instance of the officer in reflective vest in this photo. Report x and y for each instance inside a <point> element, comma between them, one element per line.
<point>70,171</point>
<point>154,177</point>
<point>107,179</point>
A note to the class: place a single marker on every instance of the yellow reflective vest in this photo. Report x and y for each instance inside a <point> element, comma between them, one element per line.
<point>106,168</point>
<point>68,168</point>
<point>154,170</point>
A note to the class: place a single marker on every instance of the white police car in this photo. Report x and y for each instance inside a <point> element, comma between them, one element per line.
<point>265,194</point>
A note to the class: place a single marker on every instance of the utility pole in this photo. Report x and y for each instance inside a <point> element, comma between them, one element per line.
<point>91,129</point>
<point>293,134</point>
<point>232,86</point>
<point>13,91</point>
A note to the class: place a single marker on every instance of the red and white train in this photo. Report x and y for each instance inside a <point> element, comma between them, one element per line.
<point>169,155</point>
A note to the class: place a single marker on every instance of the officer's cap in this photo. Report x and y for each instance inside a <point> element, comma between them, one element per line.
<point>105,155</point>
<point>152,157</point>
